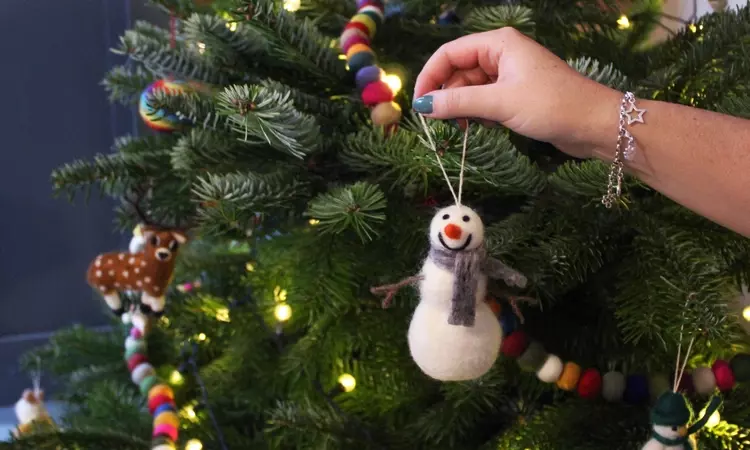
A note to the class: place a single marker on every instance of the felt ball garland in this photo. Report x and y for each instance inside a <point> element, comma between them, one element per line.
<point>612,386</point>
<point>355,43</point>
<point>161,404</point>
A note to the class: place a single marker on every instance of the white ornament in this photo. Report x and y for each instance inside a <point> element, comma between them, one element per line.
<point>444,351</point>
<point>613,386</point>
<point>704,380</point>
<point>142,371</point>
<point>551,369</point>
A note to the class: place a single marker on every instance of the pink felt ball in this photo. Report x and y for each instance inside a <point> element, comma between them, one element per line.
<point>165,429</point>
<point>724,375</point>
<point>377,92</point>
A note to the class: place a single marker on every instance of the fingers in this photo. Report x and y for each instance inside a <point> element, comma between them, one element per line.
<point>460,102</point>
<point>480,50</point>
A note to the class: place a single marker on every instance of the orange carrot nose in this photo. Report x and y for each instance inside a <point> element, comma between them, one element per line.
<point>452,231</point>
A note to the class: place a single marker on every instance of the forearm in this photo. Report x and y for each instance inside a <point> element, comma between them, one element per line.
<point>698,158</point>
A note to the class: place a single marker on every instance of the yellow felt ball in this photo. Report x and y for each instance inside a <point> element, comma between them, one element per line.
<point>167,418</point>
<point>366,21</point>
<point>161,389</point>
<point>357,48</point>
<point>569,378</point>
<point>386,113</point>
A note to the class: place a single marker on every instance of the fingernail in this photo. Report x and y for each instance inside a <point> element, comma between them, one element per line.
<point>423,105</point>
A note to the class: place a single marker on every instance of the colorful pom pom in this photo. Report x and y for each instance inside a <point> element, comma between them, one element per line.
<point>569,378</point>
<point>367,21</point>
<point>346,35</point>
<point>163,446</point>
<point>373,11</point>
<point>740,366</point>
<point>159,119</point>
<point>533,357</point>
<point>356,48</point>
<point>636,389</point>
<point>147,383</point>
<point>141,372</point>
<point>358,26</point>
<point>386,113</point>
<point>508,322</point>
<point>613,386</point>
<point>551,369</point>
<point>704,381</point>
<point>157,400</point>
<point>515,344</point>
<point>353,40</point>
<point>686,384</point>
<point>166,430</point>
<point>165,407</point>
<point>590,384</point>
<point>136,360</point>
<point>360,60</point>
<point>374,3</point>
<point>658,384</point>
<point>135,345</point>
<point>377,92</point>
<point>168,417</point>
<point>135,333</point>
<point>161,389</point>
<point>367,75</point>
<point>724,376</point>
<point>493,304</point>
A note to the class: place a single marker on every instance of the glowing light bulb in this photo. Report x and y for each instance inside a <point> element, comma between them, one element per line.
<point>165,320</point>
<point>250,267</point>
<point>189,412</point>
<point>693,28</point>
<point>282,312</point>
<point>347,382</point>
<point>202,337</point>
<point>623,22</point>
<point>194,444</point>
<point>279,295</point>
<point>176,378</point>
<point>292,5</point>
<point>222,314</point>
<point>746,313</point>
<point>314,222</point>
<point>393,82</point>
<point>201,47</point>
<point>713,420</point>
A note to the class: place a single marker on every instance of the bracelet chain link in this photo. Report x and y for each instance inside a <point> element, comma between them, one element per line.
<point>625,149</point>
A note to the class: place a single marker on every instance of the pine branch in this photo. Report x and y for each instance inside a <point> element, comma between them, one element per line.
<point>78,438</point>
<point>125,85</point>
<point>494,17</point>
<point>604,74</point>
<point>233,45</point>
<point>358,207</point>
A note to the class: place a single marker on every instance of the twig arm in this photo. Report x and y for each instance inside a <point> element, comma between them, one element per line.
<point>498,270</point>
<point>390,290</point>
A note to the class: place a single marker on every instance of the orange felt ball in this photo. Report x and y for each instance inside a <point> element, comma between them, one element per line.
<point>356,48</point>
<point>167,417</point>
<point>161,389</point>
<point>386,113</point>
<point>569,378</point>
<point>377,92</point>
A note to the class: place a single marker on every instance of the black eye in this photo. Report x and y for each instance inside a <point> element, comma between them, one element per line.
<point>154,240</point>
<point>174,245</point>
<point>466,218</point>
<point>446,216</point>
<point>674,428</point>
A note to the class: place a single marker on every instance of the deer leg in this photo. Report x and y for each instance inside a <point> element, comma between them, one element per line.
<point>112,298</point>
<point>155,303</point>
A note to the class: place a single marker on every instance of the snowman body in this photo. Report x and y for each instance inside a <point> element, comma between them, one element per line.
<point>669,433</point>
<point>451,352</point>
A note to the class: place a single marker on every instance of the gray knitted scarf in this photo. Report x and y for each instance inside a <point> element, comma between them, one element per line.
<point>466,266</point>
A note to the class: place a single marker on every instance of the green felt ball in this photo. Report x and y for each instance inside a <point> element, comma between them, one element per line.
<point>360,60</point>
<point>129,352</point>
<point>147,383</point>
<point>138,344</point>
<point>533,358</point>
<point>658,384</point>
<point>740,365</point>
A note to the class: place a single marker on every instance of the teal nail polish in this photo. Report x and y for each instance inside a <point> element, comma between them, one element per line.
<point>423,105</point>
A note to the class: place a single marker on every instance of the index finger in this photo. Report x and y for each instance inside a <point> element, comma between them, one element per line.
<point>468,52</point>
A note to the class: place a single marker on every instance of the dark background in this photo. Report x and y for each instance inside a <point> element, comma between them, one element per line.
<point>54,54</point>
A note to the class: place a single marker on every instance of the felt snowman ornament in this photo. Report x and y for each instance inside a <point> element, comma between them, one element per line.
<point>454,335</point>
<point>669,421</point>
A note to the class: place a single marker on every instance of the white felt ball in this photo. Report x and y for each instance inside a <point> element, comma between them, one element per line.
<point>132,343</point>
<point>613,386</point>
<point>551,369</point>
<point>163,447</point>
<point>704,380</point>
<point>141,372</point>
<point>137,243</point>
<point>126,318</point>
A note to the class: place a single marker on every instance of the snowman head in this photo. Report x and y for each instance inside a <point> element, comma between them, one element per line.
<point>671,432</point>
<point>456,228</point>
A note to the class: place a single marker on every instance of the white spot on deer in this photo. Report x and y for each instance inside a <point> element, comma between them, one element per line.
<point>143,263</point>
<point>109,262</point>
<point>147,279</point>
<point>98,273</point>
<point>131,260</point>
<point>121,256</point>
<point>98,261</point>
<point>138,283</point>
<point>103,288</point>
<point>117,284</point>
<point>125,273</point>
<point>111,273</point>
<point>128,287</point>
<point>137,270</point>
<point>157,288</point>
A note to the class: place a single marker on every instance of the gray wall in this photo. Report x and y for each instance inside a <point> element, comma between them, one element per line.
<point>54,54</point>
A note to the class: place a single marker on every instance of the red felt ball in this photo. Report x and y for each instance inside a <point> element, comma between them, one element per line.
<point>724,375</point>
<point>686,384</point>
<point>377,92</point>
<point>353,40</point>
<point>515,344</point>
<point>358,26</point>
<point>157,400</point>
<point>135,360</point>
<point>374,3</point>
<point>590,384</point>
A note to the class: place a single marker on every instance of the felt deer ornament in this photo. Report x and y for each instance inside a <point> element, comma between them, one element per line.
<point>148,271</point>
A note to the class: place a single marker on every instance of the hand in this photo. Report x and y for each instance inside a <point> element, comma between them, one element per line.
<point>505,77</point>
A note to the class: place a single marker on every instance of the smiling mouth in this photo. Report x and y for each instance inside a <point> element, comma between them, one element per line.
<point>457,249</point>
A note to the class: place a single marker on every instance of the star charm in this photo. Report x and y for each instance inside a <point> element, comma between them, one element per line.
<point>634,114</point>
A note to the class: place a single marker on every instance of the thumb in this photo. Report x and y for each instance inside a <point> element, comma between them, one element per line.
<point>460,102</point>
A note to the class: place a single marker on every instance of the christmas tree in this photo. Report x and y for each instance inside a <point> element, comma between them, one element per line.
<point>298,198</point>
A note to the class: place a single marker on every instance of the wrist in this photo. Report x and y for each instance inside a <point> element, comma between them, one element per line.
<point>598,128</point>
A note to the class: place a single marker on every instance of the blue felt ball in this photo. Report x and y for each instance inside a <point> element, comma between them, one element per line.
<point>636,389</point>
<point>164,407</point>
<point>508,321</point>
<point>361,3</point>
<point>360,60</point>
<point>367,75</point>
<point>449,17</point>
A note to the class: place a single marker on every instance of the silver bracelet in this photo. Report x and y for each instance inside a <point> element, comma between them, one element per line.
<point>625,150</point>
